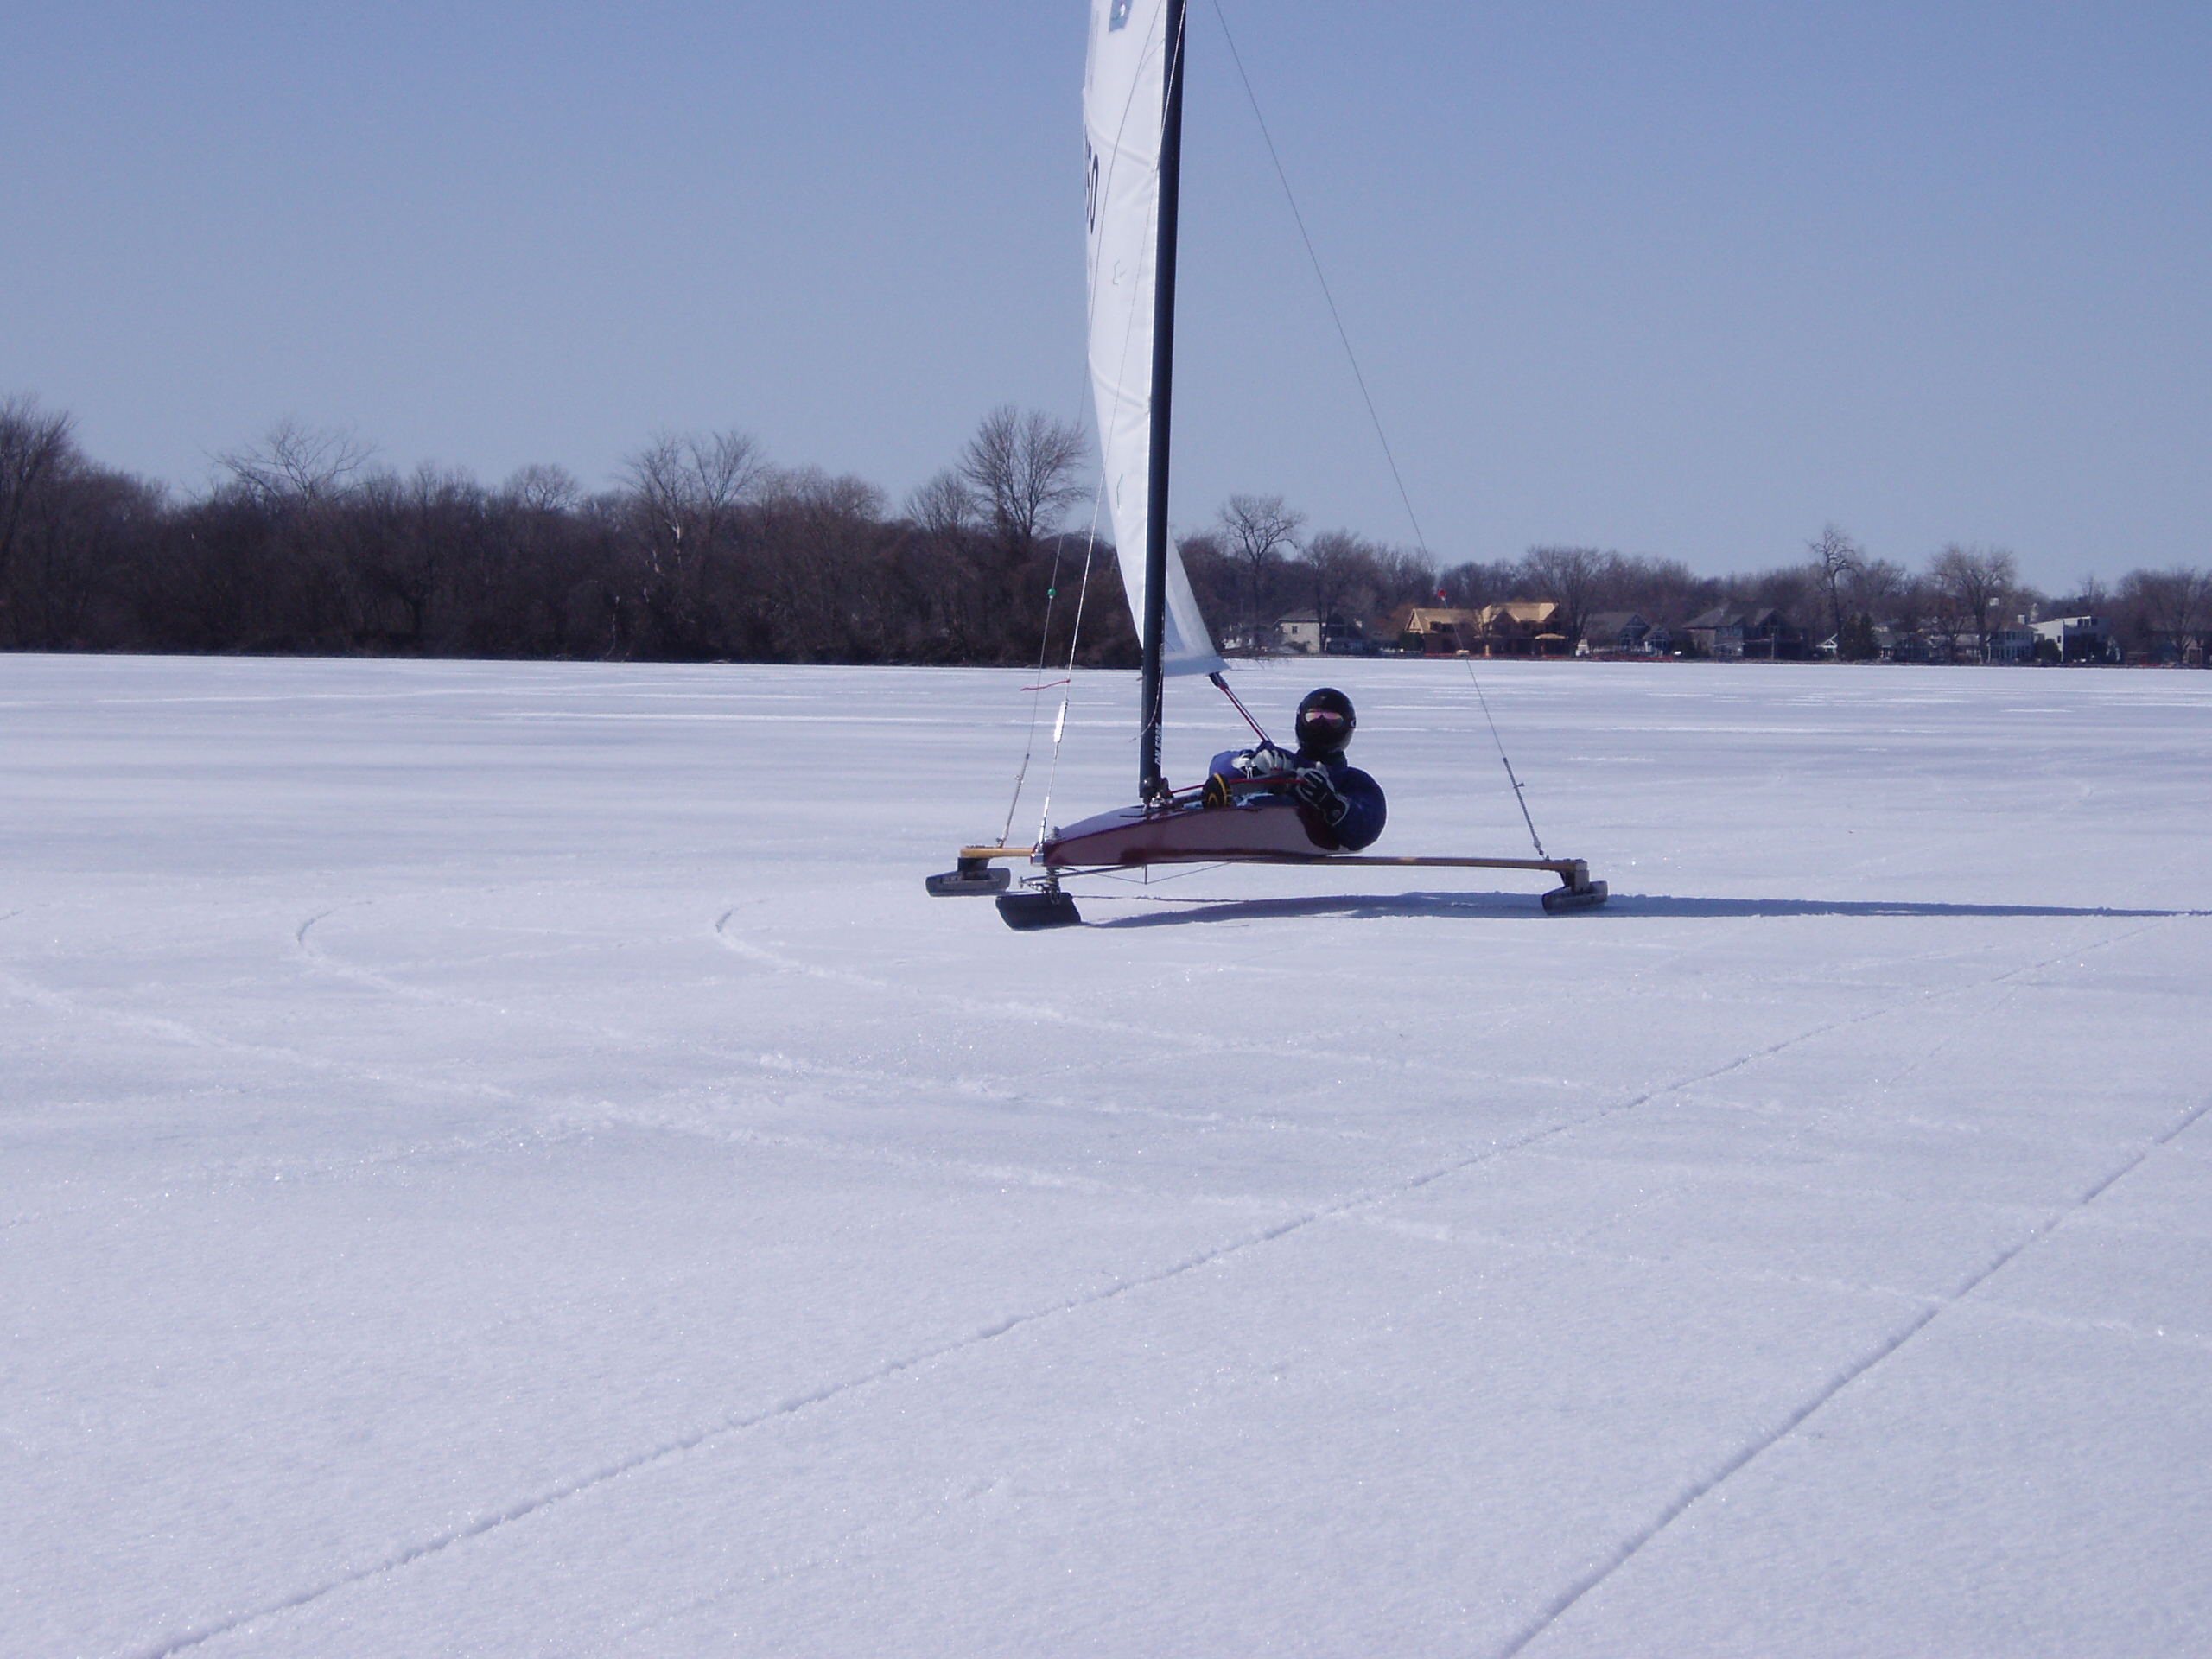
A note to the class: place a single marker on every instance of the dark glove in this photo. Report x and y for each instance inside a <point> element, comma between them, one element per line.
<point>1319,790</point>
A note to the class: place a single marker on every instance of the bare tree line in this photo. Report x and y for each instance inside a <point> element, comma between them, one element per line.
<point>705,549</point>
<point>1965,591</point>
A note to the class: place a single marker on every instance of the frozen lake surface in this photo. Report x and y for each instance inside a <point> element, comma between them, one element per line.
<point>505,1158</point>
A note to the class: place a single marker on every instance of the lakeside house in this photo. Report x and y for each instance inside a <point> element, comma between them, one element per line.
<point>1521,627</point>
<point>1308,633</point>
<point>1518,628</point>
<point>1617,633</point>
<point>1733,633</point>
<point>2078,638</point>
<point>1435,630</point>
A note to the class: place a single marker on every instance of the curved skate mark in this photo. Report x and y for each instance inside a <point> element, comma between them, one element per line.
<point>192,1037</point>
<point>1192,1041</point>
<point>175,1030</point>
<point>768,958</point>
<point>783,964</point>
<point>1623,1553</point>
<point>322,960</point>
<point>318,957</point>
<point>314,953</point>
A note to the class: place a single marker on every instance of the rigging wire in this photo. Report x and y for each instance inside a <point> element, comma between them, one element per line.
<point>1315,259</point>
<point>1519,798</point>
<point>1075,634</point>
<point>1066,682</point>
<point>1351,357</point>
<point>1044,648</point>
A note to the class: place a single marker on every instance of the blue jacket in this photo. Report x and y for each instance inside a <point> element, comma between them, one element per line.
<point>1361,824</point>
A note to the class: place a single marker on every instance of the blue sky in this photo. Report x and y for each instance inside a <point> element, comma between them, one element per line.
<point>1686,282</point>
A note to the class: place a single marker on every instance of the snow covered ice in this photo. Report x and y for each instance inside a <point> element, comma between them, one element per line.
<point>505,1158</point>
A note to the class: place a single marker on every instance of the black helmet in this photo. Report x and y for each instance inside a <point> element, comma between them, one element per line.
<point>1324,721</point>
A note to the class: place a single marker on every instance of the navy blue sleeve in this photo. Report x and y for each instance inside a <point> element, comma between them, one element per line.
<point>1364,823</point>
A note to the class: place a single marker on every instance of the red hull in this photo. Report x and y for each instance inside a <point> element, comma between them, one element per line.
<point>1267,828</point>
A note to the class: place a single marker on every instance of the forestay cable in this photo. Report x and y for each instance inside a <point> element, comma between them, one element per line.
<point>1066,682</point>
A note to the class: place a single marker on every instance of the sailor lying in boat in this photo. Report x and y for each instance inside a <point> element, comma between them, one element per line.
<point>1340,803</point>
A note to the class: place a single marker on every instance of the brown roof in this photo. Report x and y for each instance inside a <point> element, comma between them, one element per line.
<point>1516,614</point>
<point>1419,620</point>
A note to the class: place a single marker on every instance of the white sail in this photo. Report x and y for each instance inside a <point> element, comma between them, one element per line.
<point>1123,94</point>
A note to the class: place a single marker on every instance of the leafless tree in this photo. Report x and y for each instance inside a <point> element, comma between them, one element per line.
<point>35,445</point>
<point>692,485</point>
<point>1022,469</point>
<point>1972,583</point>
<point>1404,576</point>
<point>541,488</point>
<point>1340,568</point>
<point>944,507</point>
<point>819,548</point>
<point>68,529</point>
<point>937,565</point>
<point>1836,559</point>
<point>295,462</point>
<point>1474,584</point>
<point>2172,607</point>
<point>1664,591</point>
<point>1258,529</point>
<point>687,493</point>
<point>1573,576</point>
<point>1877,587</point>
<point>442,547</point>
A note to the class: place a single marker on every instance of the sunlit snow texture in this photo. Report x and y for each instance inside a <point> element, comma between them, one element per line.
<point>507,1160</point>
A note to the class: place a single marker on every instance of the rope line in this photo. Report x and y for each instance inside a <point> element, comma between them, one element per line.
<point>1343,337</point>
<point>1066,681</point>
<point>1060,721</point>
<point>1315,259</point>
<point>1036,692</point>
<point>1520,799</point>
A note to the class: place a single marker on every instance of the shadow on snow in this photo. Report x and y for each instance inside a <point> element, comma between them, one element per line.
<point>1526,907</point>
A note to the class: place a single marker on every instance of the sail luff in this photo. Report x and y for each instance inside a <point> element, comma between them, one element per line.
<point>1126,105</point>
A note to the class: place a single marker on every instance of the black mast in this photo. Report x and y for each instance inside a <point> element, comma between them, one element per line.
<point>1149,783</point>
